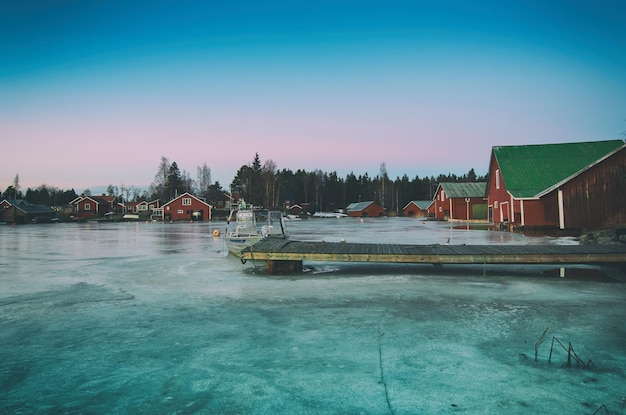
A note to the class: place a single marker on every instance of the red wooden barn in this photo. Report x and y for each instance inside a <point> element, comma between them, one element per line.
<point>417,208</point>
<point>365,209</point>
<point>140,207</point>
<point>93,206</point>
<point>461,201</point>
<point>571,186</point>
<point>186,207</point>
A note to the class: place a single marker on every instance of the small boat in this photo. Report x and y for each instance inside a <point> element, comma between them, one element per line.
<point>247,232</point>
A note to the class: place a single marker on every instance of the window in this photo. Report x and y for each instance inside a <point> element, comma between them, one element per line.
<point>497,180</point>
<point>186,201</point>
<point>87,206</point>
<point>495,204</point>
<point>443,196</point>
<point>180,211</point>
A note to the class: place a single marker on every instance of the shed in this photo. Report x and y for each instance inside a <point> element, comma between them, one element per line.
<point>563,186</point>
<point>417,208</point>
<point>140,207</point>
<point>186,207</point>
<point>93,206</point>
<point>461,201</point>
<point>365,209</point>
<point>20,211</point>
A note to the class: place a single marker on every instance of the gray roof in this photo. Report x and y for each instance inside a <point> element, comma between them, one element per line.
<point>358,206</point>
<point>28,207</point>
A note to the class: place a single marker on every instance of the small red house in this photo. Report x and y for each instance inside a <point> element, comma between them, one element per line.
<point>140,207</point>
<point>93,206</point>
<point>185,207</point>
<point>417,208</point>
<point>559,186</point>
<point>365,209</point>
<point>298,209</point>
<point>461,201</point>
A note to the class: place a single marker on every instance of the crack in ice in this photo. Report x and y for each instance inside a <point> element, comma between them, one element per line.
<point>380,362</point>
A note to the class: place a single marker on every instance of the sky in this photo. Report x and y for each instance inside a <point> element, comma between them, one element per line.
<point>95,93</point>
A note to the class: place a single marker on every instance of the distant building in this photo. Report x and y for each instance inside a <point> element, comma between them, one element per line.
<point>85,207</point>
<point>461,201</point>
<point>139,207</point>
<point>20,211</point>
<point>365,209</point>
<point>298,209</point>
<point>185,207</point>
<point>571,186</point>
<point>417,208</point>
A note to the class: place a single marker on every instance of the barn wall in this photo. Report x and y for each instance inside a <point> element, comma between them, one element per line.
<point>596,199</point>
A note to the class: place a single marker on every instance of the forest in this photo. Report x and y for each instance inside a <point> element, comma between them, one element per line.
<point>263,184</point>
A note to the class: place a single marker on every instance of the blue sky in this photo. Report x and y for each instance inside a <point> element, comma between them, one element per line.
<point>95,93</point>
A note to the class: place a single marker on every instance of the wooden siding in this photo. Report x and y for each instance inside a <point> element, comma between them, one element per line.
<point>371,211</point>
<point>175,210</point>
<point>596,199</point>
<point>497,197</point>
<point>412,210</point>
<point>456,208</point>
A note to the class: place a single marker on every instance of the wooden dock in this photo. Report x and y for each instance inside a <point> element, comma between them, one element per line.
<point>287,256</point>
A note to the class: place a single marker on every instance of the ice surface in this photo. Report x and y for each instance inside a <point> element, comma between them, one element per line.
<point>153,318</point>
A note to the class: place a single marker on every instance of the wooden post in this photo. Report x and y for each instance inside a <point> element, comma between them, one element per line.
<point>282,267</point>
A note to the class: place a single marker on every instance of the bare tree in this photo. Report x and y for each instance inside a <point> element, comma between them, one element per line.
<point>203,180</point>
<point>16,186</point>
<point>319,181</point>
<point>268,175</point>
<point>160,179</point>
<point>187,182</point>
<point>383,179</point>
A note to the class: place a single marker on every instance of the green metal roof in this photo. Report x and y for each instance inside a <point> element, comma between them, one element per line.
<point>422,204</point>
<point>471,189</point>
<point>529,170</point>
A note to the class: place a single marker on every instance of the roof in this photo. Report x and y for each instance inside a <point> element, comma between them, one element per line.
<point>104,199</point>
<point>186,194</point>
<point>422,204</point>
<point>530,170</point>
<point>462,190</point>
<point>29,208</point>
<point>358,206</point>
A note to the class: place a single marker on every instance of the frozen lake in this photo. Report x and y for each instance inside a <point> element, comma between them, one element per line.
<point>154,318</point>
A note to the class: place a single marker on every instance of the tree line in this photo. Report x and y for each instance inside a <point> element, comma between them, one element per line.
<point>263,184</point>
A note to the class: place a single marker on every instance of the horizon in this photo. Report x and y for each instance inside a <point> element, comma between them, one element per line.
<point>99,92</point>
<point>102,188</point>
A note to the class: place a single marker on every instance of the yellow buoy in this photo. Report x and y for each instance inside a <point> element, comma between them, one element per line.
<point>216,232</point>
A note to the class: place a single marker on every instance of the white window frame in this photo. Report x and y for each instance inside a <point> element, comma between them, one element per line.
<point>87,206</point>
<point>497,178</point>
<point>186,201</point>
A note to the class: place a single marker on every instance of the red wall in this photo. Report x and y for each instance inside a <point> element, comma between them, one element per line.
<point>414,211</point>
<point>171,210</point>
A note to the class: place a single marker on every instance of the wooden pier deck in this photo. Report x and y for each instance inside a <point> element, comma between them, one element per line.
<point>287,256</point>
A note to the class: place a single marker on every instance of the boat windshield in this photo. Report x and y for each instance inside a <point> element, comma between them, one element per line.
<point>246,222</point>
